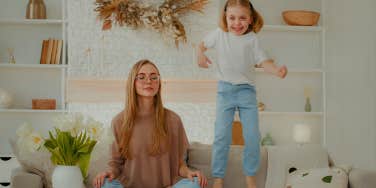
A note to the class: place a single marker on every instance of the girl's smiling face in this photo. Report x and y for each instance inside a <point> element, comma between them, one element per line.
<point>238,19</point>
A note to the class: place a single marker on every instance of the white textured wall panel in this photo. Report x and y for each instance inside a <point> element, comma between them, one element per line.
<point>198,119</point>
<point>110,54</point>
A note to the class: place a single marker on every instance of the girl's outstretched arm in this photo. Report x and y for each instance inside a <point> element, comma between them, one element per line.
<point>270,67</point>
<point>202,60</point>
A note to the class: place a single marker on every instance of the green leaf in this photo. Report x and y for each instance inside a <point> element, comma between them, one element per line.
<point>327,179</point>
<point>87,147</point>
<point>57,157</point>
<point>83,163</point>
<point>49,144</point>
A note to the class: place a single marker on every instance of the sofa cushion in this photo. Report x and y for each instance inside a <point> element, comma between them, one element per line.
<point>361,178</point>
<point>199,157</point>
<point>318,177</point>
<point>38,163</point>
<point>283,158</point>
<point>21,179</point>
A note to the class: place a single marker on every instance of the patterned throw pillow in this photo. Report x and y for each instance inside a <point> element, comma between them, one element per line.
<point>317,177</point>
<point>281,158</point>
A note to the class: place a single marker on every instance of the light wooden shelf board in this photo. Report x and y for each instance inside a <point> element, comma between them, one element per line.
<point>292,113</point>
<point>31,111</point>
<point>292,28</point>
<point>31,21</point>
<point>295,70</point>
<point>265,113</point>
<point>38,66</point>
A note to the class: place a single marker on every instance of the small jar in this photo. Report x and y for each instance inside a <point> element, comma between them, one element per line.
<point>6,99</point>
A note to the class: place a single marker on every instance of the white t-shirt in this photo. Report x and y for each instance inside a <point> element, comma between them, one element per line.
<point>237,55</point>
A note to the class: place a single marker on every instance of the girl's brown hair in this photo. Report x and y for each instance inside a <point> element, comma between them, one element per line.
<point>257,21</point>
<point>160,129</point>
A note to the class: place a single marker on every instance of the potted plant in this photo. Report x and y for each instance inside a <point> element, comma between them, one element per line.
<point>70,145</point>
<point>71,154</point>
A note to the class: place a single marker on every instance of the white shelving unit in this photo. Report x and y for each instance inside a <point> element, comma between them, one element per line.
<point>6,166</point>
<point>323,63</point>
<point>302,50</point>
<point>28,79</point>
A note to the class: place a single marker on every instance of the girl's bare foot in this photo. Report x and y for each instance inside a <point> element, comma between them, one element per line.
<point>251,181</point>
<point>218,183</point>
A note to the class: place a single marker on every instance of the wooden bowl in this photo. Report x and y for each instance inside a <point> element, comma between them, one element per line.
<point>301,17</point>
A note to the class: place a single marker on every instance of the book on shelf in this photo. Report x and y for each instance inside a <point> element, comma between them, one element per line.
<point>44,52</point>
<point>43,104</point>
<point>58,51</point>
<point>51,51</point>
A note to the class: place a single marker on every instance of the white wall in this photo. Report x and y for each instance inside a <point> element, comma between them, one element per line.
<point>113,52</point>
<point>351,99</point>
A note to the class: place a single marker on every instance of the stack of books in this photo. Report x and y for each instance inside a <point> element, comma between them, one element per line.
<point>51,51</point>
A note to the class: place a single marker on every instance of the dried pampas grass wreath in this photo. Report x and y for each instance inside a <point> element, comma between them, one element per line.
<point>163,18</point>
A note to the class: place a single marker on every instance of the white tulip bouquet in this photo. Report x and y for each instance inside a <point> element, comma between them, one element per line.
<point>71,143</point>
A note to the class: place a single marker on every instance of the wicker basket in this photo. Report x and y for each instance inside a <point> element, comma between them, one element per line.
<point>301,17</point>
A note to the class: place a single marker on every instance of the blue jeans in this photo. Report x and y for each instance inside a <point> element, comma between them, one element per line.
<point>231,97</point>
<point>184,183</point>
<point>112,184</point>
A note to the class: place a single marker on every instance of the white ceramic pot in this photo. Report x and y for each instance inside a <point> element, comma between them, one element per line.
<point>67,176</point>
<point>6,99</point>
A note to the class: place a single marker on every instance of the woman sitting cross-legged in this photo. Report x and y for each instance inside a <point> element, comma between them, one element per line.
<point>150,141</point>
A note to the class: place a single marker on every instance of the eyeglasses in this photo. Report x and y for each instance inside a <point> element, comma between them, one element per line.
<point>143,78</point>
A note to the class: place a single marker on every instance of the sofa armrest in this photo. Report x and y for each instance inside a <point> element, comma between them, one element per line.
<point>21,179</point>
<point>359,178</point>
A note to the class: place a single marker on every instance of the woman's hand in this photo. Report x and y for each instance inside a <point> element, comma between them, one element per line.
<point>99,179</point>
<point>202,181</point>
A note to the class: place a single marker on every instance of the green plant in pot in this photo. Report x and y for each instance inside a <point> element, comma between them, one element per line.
<point>70,146</point>
<point>69,150</point>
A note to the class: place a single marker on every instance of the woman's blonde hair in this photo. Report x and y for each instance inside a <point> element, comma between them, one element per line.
<point>131,108</point>
<point>257,21</point>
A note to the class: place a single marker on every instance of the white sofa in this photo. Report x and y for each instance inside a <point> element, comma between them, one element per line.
<point>275,161</point>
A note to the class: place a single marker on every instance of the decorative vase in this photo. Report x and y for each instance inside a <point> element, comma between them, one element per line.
<point>12,59</point>
<point>67,176</point>
<point>6,99</point>
<point>36,9</point>
<point>267,140</point>
<point>307,106</point>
